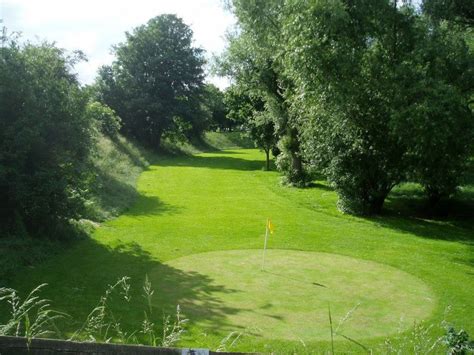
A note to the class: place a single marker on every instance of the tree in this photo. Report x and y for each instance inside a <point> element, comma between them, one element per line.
<point>45,137</point>
<point>106,119</point>
<point>262,131</point>
<point>214,102</point>
<point>256,120</point>
<point>253,59</point>
<point>240,105</point>
<point>458,11</point>
<point>441,125</point>
<point>368,89</point>
<point>155,84</point>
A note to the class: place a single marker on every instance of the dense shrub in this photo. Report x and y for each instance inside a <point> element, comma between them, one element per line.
<point>45,136</point>
<point>107,120</point>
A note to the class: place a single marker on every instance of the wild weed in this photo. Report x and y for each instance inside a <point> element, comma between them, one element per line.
<point>31,317</point>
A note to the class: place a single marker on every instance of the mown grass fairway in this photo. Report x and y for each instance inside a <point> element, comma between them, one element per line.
<point>399,268</point>
<point>295,288</point>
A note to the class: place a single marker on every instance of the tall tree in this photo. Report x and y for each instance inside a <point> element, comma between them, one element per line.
<point>362,74</point>
<point>458,11</point>
<point>253,59</point>
<point>156,82</point>
<point>250,110</point>
<point>441,122</point>
<point>214,102</point>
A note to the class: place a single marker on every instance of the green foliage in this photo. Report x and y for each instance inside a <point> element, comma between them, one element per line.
<point>289,162</point>
<point>214,103</point>
<point>374,101</point>
<point>253,59</point>
<point>458,342</point>
<point>155,84</point>
<point>108,122</point>
<point>255,119</point>
<point>46,137</point>
<point>440,128</point>
<point>458,11</point>
<point>261,129</point>
<point>240,105</point>
<point>369,94</point>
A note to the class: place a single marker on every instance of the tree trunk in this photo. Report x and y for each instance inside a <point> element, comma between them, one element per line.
<point>376,205</point>
<point>296,161</point>
<point>434,196</point>
<point>267,153</point>
<point>157,140</point>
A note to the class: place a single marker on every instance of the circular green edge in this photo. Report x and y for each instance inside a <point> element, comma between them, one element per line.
<point>290,298</point>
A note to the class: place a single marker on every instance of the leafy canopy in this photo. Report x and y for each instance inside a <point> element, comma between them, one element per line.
<point>156,82</point>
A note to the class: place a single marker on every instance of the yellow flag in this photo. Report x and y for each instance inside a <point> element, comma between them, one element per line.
<point>270,226</point>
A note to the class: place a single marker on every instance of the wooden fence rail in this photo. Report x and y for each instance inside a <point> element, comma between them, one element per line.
<point>20,346</point>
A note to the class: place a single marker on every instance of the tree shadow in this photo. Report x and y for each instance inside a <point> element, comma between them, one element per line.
<point>111,195</point>
<point>415,203</point>
<point>116,197</point>
<point>451,219</point>
<point>318,185</point>
<point>133,154</point>
<point>80,276</point>
<point>218,162</point>
<point>447,229</point>
<point>151,206</point>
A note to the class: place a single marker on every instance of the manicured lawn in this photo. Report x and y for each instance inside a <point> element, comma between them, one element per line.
<point>195,229</point>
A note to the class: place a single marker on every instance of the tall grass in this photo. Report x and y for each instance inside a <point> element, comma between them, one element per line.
<point>117,163</point>
<point>29,318</point>
<point>33,318</point>
<point>419,341</point>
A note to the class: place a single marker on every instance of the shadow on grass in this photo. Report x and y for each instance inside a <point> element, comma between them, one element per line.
<point>296,279</point>
<point>133,154</point>
<point>319,186</point>
<point>218,162</point>
<point>452,220</point>
<point>111,194</point>
<point>151,206</point>
<point>79,277</point>
<point>449,230</point>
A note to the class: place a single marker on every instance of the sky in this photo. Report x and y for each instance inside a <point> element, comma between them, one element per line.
<point>93,26</point>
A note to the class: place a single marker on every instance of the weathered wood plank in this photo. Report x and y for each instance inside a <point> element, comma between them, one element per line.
<point>20,346</point>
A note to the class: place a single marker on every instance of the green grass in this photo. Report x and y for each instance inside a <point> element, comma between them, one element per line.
<point>295,288</point>
<point>219,201</point>
<point>117,165</point>
<point>211,141</point>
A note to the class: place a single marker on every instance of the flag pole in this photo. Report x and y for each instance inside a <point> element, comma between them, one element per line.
<point>265,245</point>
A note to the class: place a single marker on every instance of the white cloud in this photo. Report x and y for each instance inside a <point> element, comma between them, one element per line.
<point>93,26</point>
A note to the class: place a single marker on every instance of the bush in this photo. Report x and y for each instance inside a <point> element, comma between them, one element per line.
<point>107,120</point>
<point>458,342</point>
<point>45,139</point>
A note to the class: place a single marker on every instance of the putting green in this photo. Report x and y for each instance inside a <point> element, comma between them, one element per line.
<point>289,299</point>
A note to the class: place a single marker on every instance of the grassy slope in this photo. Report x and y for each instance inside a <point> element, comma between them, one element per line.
<point>118,164</point>
<point>219,201</point>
